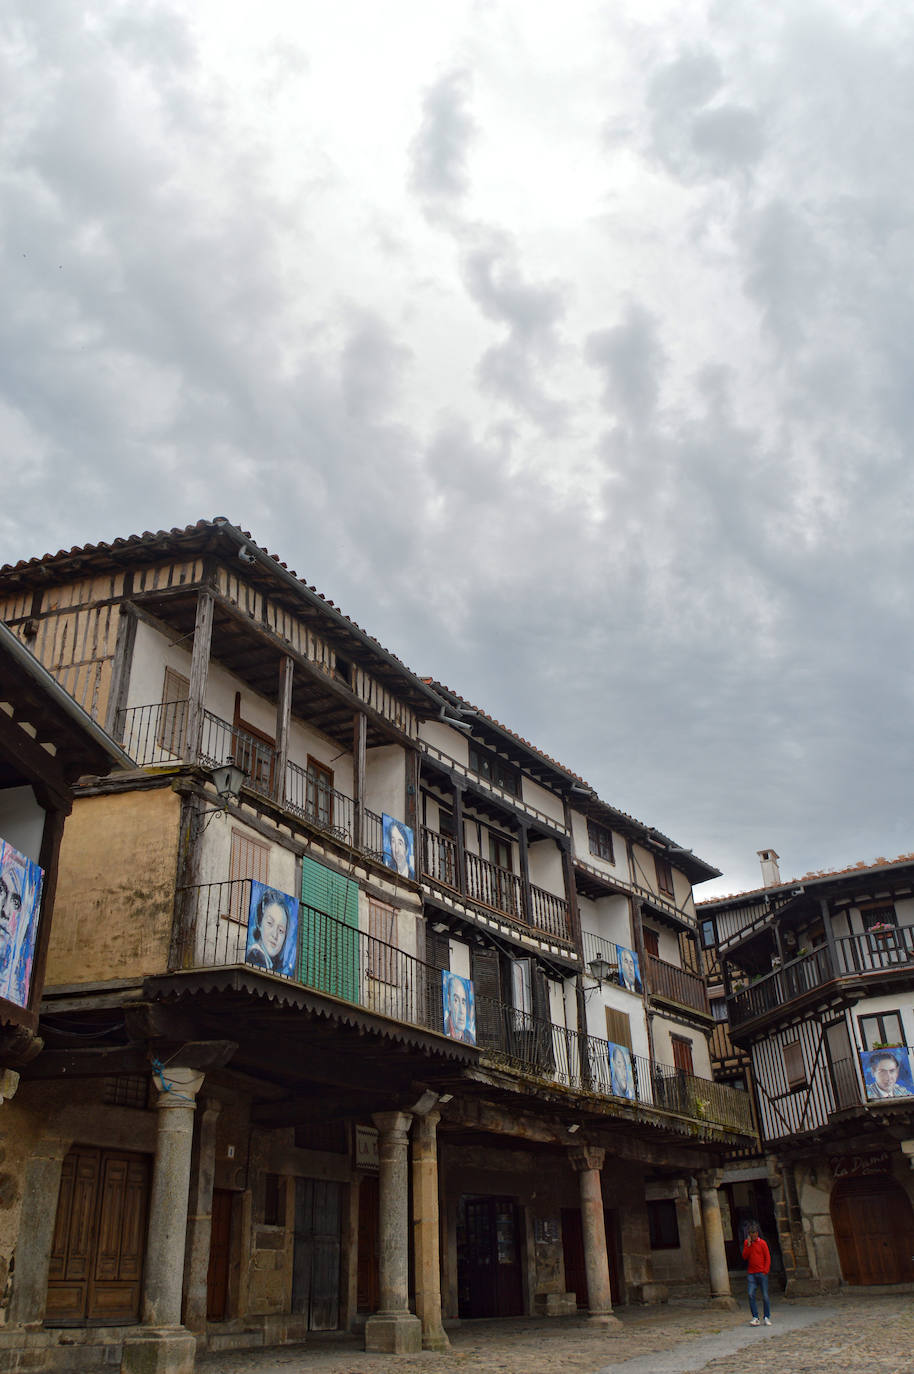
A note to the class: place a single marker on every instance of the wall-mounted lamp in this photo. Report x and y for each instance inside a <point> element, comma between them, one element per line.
<point>600,969</point>
<point>446,1097</point>
<point>575,1126</point>
<point>227,780</point>
<point>439,927</point>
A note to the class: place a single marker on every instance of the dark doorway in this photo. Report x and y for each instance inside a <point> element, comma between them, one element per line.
<point>751,1201</point>
<point>369,1288</point>
<point>96,1262</point>
<point>489,1258</point>
<point>874,1230</point>
<point>316,1254</point>
<point>573,1253</point>
<point>220,1246</point>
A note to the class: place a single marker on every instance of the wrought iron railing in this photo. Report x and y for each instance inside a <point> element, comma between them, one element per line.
<point>154,734</point>
<point>310,797</point>
<point>343,961</point>
<point>846,1083</point>
<point>871,954</point>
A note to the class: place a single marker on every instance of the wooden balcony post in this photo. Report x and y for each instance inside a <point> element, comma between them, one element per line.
<point>199,665</point>
<point>830,943</point>
<point>359,746</point>
<point>526,894</point>
<point>283,717</point>
<point>458,839</point>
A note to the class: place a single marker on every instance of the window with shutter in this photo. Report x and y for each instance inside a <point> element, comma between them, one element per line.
<point>651,942</point>
<point>664,872</point>
<point>682,1053</point>
<point>249,860</point>
<point>486,975</point>
<point>618,1027</point>
<point>382,931</point>
<point>438,957</point>
<point>173,712</point>
<point>330,930</point>
<point>794,1067</point>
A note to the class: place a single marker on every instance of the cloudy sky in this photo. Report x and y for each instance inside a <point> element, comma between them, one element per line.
<point>566,347</point>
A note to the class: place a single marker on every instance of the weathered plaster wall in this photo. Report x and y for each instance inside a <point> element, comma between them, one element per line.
<point>115,891</point>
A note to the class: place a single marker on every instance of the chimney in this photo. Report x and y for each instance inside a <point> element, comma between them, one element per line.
<point>771,874</point>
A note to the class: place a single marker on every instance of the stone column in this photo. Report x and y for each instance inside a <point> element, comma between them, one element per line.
<point>718,1271</point>
<point>36,1232</point>
<point>393,1329</point>
<point>200,1217</point>
<point>587,1163</point>
<point>426,1231</point>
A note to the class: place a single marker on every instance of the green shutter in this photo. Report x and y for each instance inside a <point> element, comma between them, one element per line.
<point>329,947</point>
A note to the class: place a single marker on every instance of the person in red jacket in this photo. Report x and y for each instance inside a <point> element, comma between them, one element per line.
<point>756,1252</point>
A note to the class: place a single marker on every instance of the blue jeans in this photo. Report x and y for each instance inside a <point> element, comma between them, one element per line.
<point>758,1282</point>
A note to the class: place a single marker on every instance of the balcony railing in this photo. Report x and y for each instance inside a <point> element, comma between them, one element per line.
<point>676,984</point>
<point>493,886</point>
<point>157,735</point>
<point>870,954</point>
<point>341,960</point>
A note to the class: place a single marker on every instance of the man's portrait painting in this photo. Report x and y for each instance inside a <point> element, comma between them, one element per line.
<point>399,846</point>
<point>887,1073</point>
<point>459,1005</point>
<point>272,943</point>
<point>629,968</point>
<point>20,903</point>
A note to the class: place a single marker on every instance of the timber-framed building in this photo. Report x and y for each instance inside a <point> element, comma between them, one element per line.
<point>259,1113</point>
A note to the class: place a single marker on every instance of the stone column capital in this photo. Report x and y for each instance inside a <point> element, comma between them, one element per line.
<point>393,1124</point>
<point>177,1086</point>
<point>586,1157</point>
<point>709,1180</point>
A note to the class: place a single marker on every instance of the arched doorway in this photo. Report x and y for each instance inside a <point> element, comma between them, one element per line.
<point>874,1230</point>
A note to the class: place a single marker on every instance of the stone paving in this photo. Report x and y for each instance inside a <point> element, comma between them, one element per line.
<point>839,1335</point>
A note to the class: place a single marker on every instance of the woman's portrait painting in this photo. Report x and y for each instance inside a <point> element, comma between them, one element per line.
<point>272,931</point>
<point>20,902</point>
<point>399,846</point>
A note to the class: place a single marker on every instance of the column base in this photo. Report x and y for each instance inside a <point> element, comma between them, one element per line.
<point>435,1340</point>
<point>607,1319</point>
<point>165,1350</point>
<point>393,1333</point>
<point>723,1303</point>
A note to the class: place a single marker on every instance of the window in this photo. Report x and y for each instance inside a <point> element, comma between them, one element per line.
<point>249,859</point>
<point>664,875</point>
<point>663,1224</point>
<point>882,1028</point>
<point>127,1090</point>
<point>708,933</point>
<point>682,1053</point>
<point>254,751</point>
<point>319,797</point>
<point>274,1200</point>
<point>497,770</point>
<point>382,931</point>
<point>719,1008</point>
<point>600,841</point>
<point>878,916</point>
<point>794,1066</point>
<point>522,986</point>
<point>173,712</point>
<point>651,941</point>
<point>618,1027</point>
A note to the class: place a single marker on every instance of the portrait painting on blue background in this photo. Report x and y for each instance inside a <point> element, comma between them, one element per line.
<point>459,1006</point>
<point>20,903</point>
<point>399,848</point>
<point>887,1073</point>
<point>272,931</point>
<point>629,968</point>
<point>621,1071</point>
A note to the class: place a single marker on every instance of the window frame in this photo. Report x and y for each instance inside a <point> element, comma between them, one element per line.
<point>663,871</point>
<point>795,1082</point>
<point>600,841</point>
<point>882,1037</point>
<point>382,941</point>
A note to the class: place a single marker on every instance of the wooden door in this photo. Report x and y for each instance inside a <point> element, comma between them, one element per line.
<point>96,1261</point>
<point>489,1276</point>
<point>573,1253</point>
<point>316,1253</point>
<point>369,1282</point>
<point>874,1230</point>
<point>220,1249</point>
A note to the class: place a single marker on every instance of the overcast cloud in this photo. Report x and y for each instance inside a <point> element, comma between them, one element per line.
<point>567,349</point>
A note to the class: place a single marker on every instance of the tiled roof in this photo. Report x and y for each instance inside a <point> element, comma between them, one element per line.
<point>815,875</point>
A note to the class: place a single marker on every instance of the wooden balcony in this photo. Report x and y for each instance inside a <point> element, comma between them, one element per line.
<point>869,957</point>
<point>676,985</point>
<point>491,886</point>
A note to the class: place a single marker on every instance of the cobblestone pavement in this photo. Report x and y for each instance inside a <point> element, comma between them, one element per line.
<point>841,1335</point>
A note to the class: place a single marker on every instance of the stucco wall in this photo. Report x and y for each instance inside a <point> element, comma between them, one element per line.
<point>115,891</point>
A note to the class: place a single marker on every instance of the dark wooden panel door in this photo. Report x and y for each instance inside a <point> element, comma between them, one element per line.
<point>489,1277</point>
<point>573,1252</point>
<point>369,1284</point>
<point>96,1261</point>
<point>316,1253</point>
<point>874,1230</point>
<point>220,1248</point>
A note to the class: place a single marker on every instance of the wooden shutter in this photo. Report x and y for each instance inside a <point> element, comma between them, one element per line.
<point>438,957</point>
<point>249,859</point>
<point>618,1027</point>
<point>382,930</point>
<point>545,1052</point>
<point>330,948</point>
<point>651,942</point>
<point>794,1066</point>
<point>682,1053</point>
<point>173,712</point>
<point>486,975</point>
